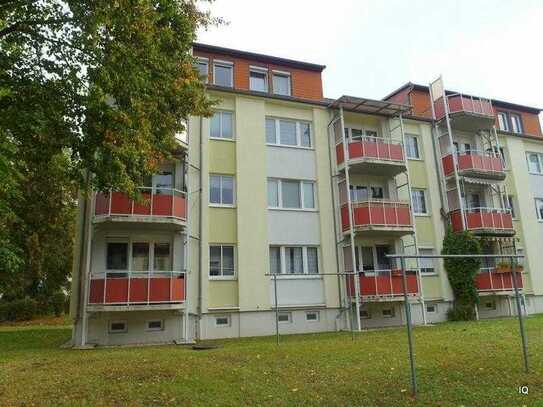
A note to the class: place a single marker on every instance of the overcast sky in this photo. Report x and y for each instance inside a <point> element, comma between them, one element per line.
<point>371,47</point>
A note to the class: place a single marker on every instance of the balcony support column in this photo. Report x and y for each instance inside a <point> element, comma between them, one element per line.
<point>520,316</point>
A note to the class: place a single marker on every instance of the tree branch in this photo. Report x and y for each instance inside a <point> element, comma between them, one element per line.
<point>21,25</point>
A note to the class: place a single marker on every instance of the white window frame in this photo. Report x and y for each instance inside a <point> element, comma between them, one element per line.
<point>220,204</point>
<point>277,142</point>
<point>287,314</point>
<point>317,316</point>
<point>426,202</point>
<point>221,276</point>
<point>203,60</point>
<point>228,319</point>
<point>538,203</point>
<point>539,160</point>
<point>260,70</point>
<point>283,74</point>
<point>518,123</point>
<point>117,321</point>
<point>417,141</point>
<point>224,64</point>
<point>505,121</point>
<point>221,113</point>
<point>301,191</point>
<point>148,329</point>
<point>136,239</point>
<point>431,273</point>
<point>434,306</point>
<point>305,262</point>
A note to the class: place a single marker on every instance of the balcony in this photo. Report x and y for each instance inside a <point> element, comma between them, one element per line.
<point>466,112</point>
<point>496,279</point>
<point>373,156</point>
<point>158,205</point>
<point>484,221</point>
<point>392,218</point>
<point>475,164</point>
<point>139,290</point>
<point>385,285</point>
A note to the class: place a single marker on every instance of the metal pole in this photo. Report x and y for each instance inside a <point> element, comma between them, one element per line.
<point>520,317</point>
<point>276,309</point>
<point>409,331</point>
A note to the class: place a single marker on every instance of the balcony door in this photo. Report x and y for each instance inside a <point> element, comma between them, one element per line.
<point>162,182</point>
<point>373,258</point>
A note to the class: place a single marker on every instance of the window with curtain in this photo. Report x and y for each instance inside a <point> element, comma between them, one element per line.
<point>140,256</point>
<point>223,73</point>
<point>221,125</point>
<point>294,260</point>
<point>221,261</point>
<point>534,162</point>
<point>418,197</point>
<point>291,194</point>
<point>221,190</point>
<point>281,83</point>
<point>162,257</point>
<point>426,265</point>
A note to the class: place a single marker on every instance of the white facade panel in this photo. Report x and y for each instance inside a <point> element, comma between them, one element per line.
<point>287,227</point>
<point>297,291</point>
<point>290,162</point>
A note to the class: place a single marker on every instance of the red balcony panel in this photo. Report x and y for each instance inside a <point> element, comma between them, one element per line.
<point>486,219</point>
<point>494,281</point>
<point>101,205</point>
<point>345,217</point>
<point>340,153</point>
<point>163,205</point>
<point>142,290</point>
<point>448,165</point>
<point>116,290</point>
<point>120,204</point>
<point>456,221</point>
<point>462,103</point>
<point>179,207</point>
<point>375,150</point>
<point>387,285</point>
<point>143,207</point>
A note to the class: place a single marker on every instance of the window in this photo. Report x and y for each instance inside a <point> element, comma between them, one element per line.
<point>140,256</point>
<point>291,194</point>
<point>117,256</point>
<point>412,146</point>
<point>467,148</point>
<point>222,321</point>
<point>431,308</point>
<point>281,83</point>
<point>203,68</point>
<point>154,325</point>
<point>288,133</point>
<point>516,123</point>
<point>490,305</point>
<point>162,257</point>
<point>221,261</point>
<point>388,312</point>
<point>534,162</point>
<point>377,192</point>
<point>221,126</point>
<point>426,265</point>
<point>358,193</point>
<point>503,122</point>
<point>312,316</point>
<point>284,317</point>
<point>221,190</point>
<point>418,196</point>
<point>117,327</point>
<point>258,79</point>
<point>365,314</point>
<point>508,203</point>
<point>223,73</point>
<point>294,260</point>
<point>539,208</point>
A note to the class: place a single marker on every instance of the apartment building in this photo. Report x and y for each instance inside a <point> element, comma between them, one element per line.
<point>281,208</point>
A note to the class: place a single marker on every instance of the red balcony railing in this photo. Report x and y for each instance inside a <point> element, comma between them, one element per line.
<point>385,283</point>
<point>377,213</point>
<point>465,104</point>
<point>474,162</point>
<point>156,202</point>
<point>374,148</point>
<point>497,279</point>
<point>131,288</point>
<point>489,220</point>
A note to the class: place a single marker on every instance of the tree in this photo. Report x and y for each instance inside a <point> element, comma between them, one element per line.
<point>97,87</point>
<point>461,273</point>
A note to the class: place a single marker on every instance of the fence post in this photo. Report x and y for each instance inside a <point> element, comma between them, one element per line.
<point>520,316</point>
<point>409,331</point>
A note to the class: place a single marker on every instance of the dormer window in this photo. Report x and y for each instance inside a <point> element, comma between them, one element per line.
<point>258,79</point>
<point>281,83</point>
<point>223,73</point>
<point>203,68</point>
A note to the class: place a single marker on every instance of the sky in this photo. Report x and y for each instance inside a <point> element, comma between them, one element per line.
<point>371,47</point>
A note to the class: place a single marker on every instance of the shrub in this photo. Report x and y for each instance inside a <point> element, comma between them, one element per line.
<point>57,303</point>
<point>18,310</point>
<point>461,273</point>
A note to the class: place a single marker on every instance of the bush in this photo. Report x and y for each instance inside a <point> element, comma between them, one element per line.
<point>57,303</point>
<point>18,310</point>
<point>461,312</point>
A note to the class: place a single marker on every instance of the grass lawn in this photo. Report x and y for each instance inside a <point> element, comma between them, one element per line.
<point>476,363</point>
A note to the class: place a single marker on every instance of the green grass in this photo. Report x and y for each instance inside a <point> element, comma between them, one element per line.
<point>476,363</point>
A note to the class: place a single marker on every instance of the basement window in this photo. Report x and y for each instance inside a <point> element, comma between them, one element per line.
<point>312,316</point>
<point>388,313</point>
<point>154,325</point>
<point>285,317</point>
<point>431,309</point>
<point>117,327</point>
<point>222,321</point>
<point>365,314</point>
<point>490,305</point>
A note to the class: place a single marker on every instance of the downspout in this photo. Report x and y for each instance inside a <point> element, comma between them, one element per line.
<point>86,277</point>
<point>200,217</point>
